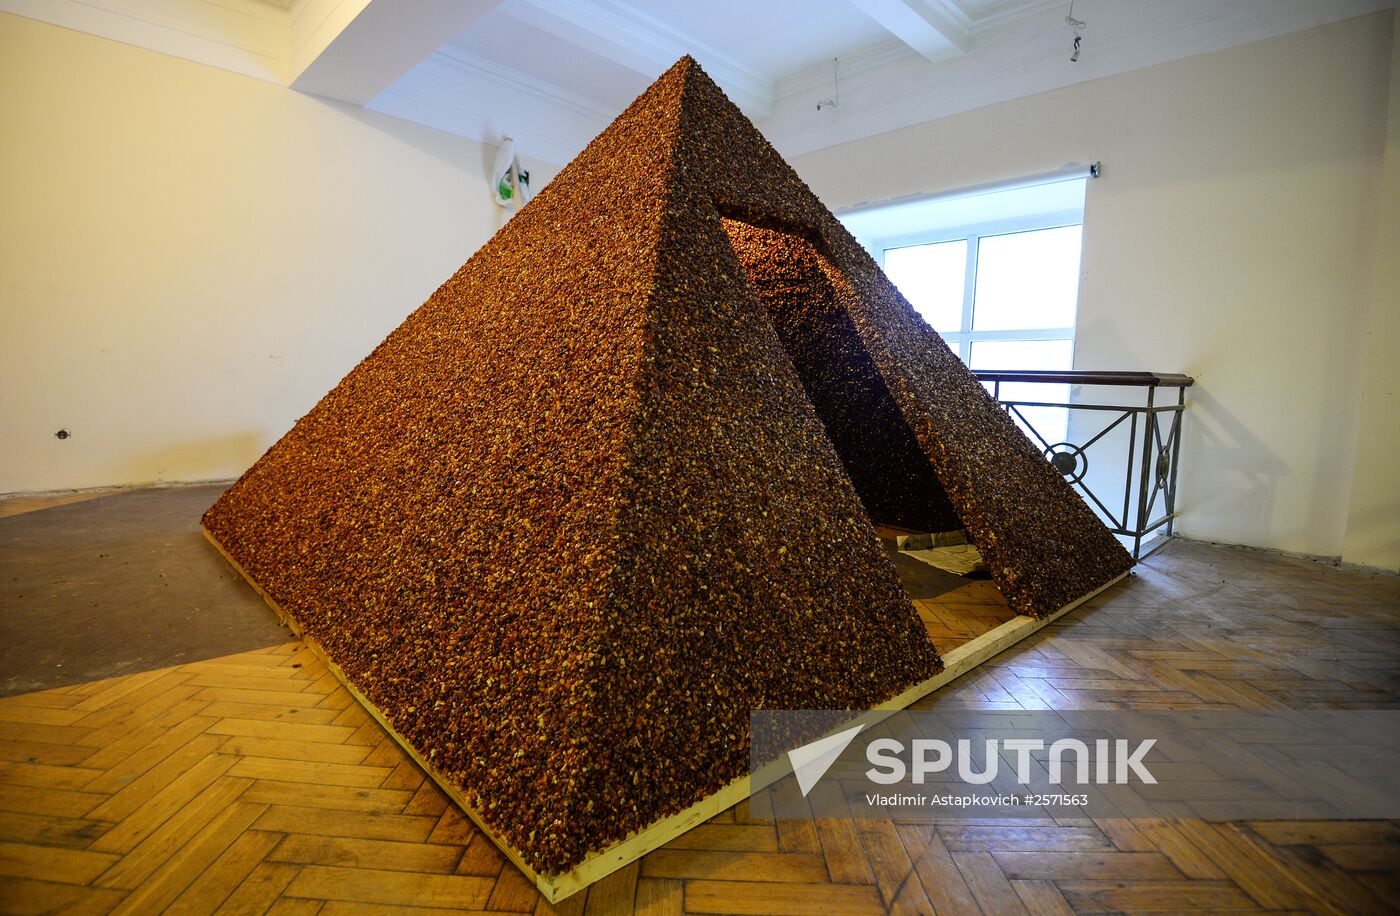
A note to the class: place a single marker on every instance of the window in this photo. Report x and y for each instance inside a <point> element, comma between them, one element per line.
<point>996,274</point>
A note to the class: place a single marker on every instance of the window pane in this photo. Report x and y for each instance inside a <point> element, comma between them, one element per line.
<point>1027,280</point>
<point>1023,354</point>
<point>932,278</point>
<point>1050,424</point>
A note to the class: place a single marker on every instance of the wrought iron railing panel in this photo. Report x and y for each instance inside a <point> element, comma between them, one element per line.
<point>1142,437</point>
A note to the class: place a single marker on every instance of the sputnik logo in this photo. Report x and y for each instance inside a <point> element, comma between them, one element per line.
<point>811,761</point>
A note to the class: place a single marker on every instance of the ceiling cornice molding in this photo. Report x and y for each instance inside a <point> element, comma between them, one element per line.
<point>892,50</point>
<point>466,121</point>
<point>315,25</point>
<point>935,29</point>
<point>818,76</point>
<point>241,36</point>
<point>999,14</point>
<point>505,77</point>
<point>1027,56</point>
<point>641,43</point>
<point>476,99</point>
<point>953,12</point>
<point>257,9</point>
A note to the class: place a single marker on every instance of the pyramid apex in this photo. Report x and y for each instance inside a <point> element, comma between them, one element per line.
<point>686,66</point>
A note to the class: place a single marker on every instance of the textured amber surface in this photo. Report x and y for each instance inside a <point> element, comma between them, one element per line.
<point>577,515</point>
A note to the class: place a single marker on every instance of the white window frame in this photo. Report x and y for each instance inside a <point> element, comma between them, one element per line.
<point>973,234</point>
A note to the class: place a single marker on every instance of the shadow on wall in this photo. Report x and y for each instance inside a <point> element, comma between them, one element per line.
<point>217,458</point>
<point>1229,477</point>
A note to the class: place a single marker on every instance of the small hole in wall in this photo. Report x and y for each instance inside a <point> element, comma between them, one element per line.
<point>62,434</point>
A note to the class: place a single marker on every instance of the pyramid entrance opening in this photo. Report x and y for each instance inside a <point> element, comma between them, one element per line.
<point>806,299</point>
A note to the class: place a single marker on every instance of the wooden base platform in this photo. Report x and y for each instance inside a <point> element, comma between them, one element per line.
<point>958,661</point>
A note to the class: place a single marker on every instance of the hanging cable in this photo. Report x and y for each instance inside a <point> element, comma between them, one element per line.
<point>1076,25</point>
<point>835,100</point>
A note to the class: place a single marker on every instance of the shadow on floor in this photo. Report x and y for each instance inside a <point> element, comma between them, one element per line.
<point>119,584</point>
<point>125,582</point>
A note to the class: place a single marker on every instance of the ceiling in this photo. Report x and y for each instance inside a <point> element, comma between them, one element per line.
<point>553,73</point>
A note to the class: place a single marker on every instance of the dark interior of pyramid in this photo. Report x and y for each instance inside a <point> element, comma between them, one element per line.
<point>622,480</point>
<point>894,479</point>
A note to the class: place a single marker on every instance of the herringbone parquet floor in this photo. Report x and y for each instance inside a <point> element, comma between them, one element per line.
<point>254,783</point>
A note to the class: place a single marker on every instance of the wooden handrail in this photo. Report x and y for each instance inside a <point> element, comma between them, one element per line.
<point>1087,377</point>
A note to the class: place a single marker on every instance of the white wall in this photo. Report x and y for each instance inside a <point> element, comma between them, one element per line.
<point>1231,237</point>
<point>1373,532</point>
<point>190,259</point>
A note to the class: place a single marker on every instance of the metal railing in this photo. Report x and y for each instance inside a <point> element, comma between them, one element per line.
<point>1143,435</point>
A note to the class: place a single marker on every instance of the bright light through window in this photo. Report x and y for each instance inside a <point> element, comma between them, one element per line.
<point>1022,354</point>
<point>932,278</point>
<point>996,274</point>
<point>1027,280</point>
<point>1050,424</point>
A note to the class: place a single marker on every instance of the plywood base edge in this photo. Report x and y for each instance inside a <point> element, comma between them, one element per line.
<point>598,865</point>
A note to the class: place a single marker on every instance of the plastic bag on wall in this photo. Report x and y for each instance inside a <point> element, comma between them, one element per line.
<point>509,184</point>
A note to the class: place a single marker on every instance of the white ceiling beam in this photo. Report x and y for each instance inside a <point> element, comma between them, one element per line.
<point>936,29</point>
<point>466,95</point>
<point>626,36</point>
<point>351,50</point>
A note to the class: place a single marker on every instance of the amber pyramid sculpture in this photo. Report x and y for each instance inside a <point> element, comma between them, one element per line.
<point>611,488</point>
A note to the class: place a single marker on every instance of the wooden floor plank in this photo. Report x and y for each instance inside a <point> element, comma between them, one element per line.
<point>376,886</point>
<point>261,890</point>
<point>1054,866</point>
<point>1150,896</point>
<point>942,882</point>
<point>224,875</point>
<point>48,863</point>
<point>326,804</point>
<point>28,897</point>
<point>513,893</point>
<point>60,802</point>
<point>616,893</point>
<point>353,852</point>
<point>342,823</point>
<point>144,815</point>
<point>734,866</point>
<point>212,809</point>
<point>195,756</point>
<point>335,798</point>
<point>1042,898</point>
<point>50,830</point>
<point>47,776</point>
<point>753,898</point>
<point>282,731</point>
<point>1260,876</point>
<point>889,861</point>
<point>988,883</point>
<point>142,748</point>
<point>729,838</point>
<point>660,897</point>
<point>185,858</point>
<point>315,772</point>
